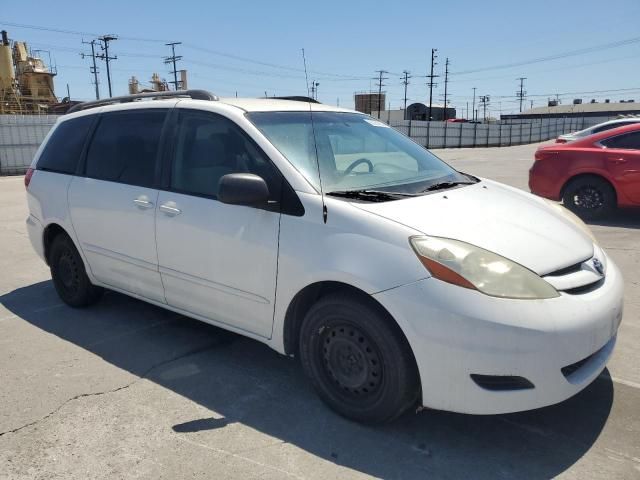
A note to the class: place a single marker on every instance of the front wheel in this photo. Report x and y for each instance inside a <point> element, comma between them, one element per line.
<point>359,362</point>
<point>589,197</point>
<point>69,276</point>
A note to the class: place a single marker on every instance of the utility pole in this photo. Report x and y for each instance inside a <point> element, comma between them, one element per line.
<point>381,77</point>
<point>473,106</point>
<point>405,82</point>
<point>431,76</point>
<point>93,69</point>
<point>521,94</point>
<point>484,100</point>
<point>173,59</point>
<point>314,89</point>
<point>532,104</point>
<point>446,81</point>
<point>104,44</point>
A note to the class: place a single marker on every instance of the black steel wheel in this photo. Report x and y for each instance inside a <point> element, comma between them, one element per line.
<point>69,276</point>
<point>358,359</point>
<point>589,197</point>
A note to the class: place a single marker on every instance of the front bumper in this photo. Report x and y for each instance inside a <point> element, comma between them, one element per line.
<point>456,332</point>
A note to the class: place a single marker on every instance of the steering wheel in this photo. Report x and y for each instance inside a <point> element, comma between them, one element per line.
<point>350,168</point>
<point>391,166</point>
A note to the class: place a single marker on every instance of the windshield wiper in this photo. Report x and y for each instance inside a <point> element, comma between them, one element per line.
<point>444,185</point>
<point>370,195</point>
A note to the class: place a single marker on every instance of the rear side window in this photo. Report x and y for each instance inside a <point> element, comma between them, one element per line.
<point>628,141</point>
<point>63,150</point>
<point>124,147</point>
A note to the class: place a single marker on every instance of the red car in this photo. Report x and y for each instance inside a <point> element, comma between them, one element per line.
<point>591,175</point>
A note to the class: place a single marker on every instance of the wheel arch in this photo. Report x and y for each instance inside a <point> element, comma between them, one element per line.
<point>304,300</point>
<point>50,232</point>
<point>588,174</point>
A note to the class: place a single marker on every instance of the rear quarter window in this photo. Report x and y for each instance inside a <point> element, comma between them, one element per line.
<point>62,152</point>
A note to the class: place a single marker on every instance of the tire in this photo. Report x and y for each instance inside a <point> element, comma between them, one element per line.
<point>358,360</point>
<point>69,275</point>
<point>589,197</point>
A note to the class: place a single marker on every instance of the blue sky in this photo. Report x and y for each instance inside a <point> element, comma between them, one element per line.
<point>253,47</point>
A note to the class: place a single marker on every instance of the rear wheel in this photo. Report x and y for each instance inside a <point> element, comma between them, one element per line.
<point>589,197</point>
<point>359,363</point>
<point>69,275</point>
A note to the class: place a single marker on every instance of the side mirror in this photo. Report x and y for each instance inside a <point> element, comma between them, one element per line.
<point>243,189</point>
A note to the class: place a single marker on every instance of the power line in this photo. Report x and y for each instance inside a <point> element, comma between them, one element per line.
<point>557,56</point>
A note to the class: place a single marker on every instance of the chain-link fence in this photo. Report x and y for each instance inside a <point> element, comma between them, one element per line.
<point>20,137</point>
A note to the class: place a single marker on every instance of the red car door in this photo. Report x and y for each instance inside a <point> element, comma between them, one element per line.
<point>622,160</point>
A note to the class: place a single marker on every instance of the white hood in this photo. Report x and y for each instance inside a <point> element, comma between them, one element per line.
<point>504,220</point>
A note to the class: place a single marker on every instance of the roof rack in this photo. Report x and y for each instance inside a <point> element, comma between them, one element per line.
<point>297,98</point>
<point>194,94</point>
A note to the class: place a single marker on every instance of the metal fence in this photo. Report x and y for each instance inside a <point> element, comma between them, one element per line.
<point>500,134</point>
<point>20,137</point>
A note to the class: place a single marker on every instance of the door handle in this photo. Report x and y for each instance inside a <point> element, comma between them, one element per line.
<point>170,209</point>
<point>617,159</point>
<point>143,202</point>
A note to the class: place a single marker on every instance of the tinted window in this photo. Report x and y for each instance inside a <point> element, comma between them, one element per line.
<point>209,146</point>
<point>630,141</point>
<point>610,126</point>
<point>125,146</point>
<point>63,150</point>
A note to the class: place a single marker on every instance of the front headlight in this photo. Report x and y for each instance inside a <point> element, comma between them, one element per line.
<point>472,267</point>
<point>569,215</point>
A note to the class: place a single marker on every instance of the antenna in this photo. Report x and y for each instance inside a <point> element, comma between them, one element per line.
<point>315,143</point>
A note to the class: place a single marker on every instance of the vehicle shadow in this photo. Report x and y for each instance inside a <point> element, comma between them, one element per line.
<point>627,218</point>
<point>244,381</point>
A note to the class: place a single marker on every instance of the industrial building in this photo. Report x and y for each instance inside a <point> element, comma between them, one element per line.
<point>415,111</point>
<point>604,110</point>
<point>26,83</point>
<point>367,102</point>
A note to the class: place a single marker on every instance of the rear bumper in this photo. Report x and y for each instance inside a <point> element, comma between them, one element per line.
<point>543,181</point>
<point>455,333</point>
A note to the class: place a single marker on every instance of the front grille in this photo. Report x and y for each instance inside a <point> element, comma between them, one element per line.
<point>585,288</point>
<point>501,382</point>
<point>567,270</point>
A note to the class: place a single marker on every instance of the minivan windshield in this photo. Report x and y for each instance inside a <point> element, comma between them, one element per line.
<point>355,153</point>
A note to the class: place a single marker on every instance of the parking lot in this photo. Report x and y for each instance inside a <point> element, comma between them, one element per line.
<point>128,390</point>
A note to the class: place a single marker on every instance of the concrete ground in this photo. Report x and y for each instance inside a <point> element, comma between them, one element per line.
<point>128,390</point>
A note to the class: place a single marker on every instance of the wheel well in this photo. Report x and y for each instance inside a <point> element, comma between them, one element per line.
<point>588,175</point>
<point>51,232</point>
<point>308,296</point>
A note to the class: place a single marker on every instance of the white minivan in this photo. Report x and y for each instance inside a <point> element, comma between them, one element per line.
<point>397,280</point>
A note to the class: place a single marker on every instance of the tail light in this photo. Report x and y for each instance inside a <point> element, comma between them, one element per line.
<point>543,154</point>
<point>27,177</point>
